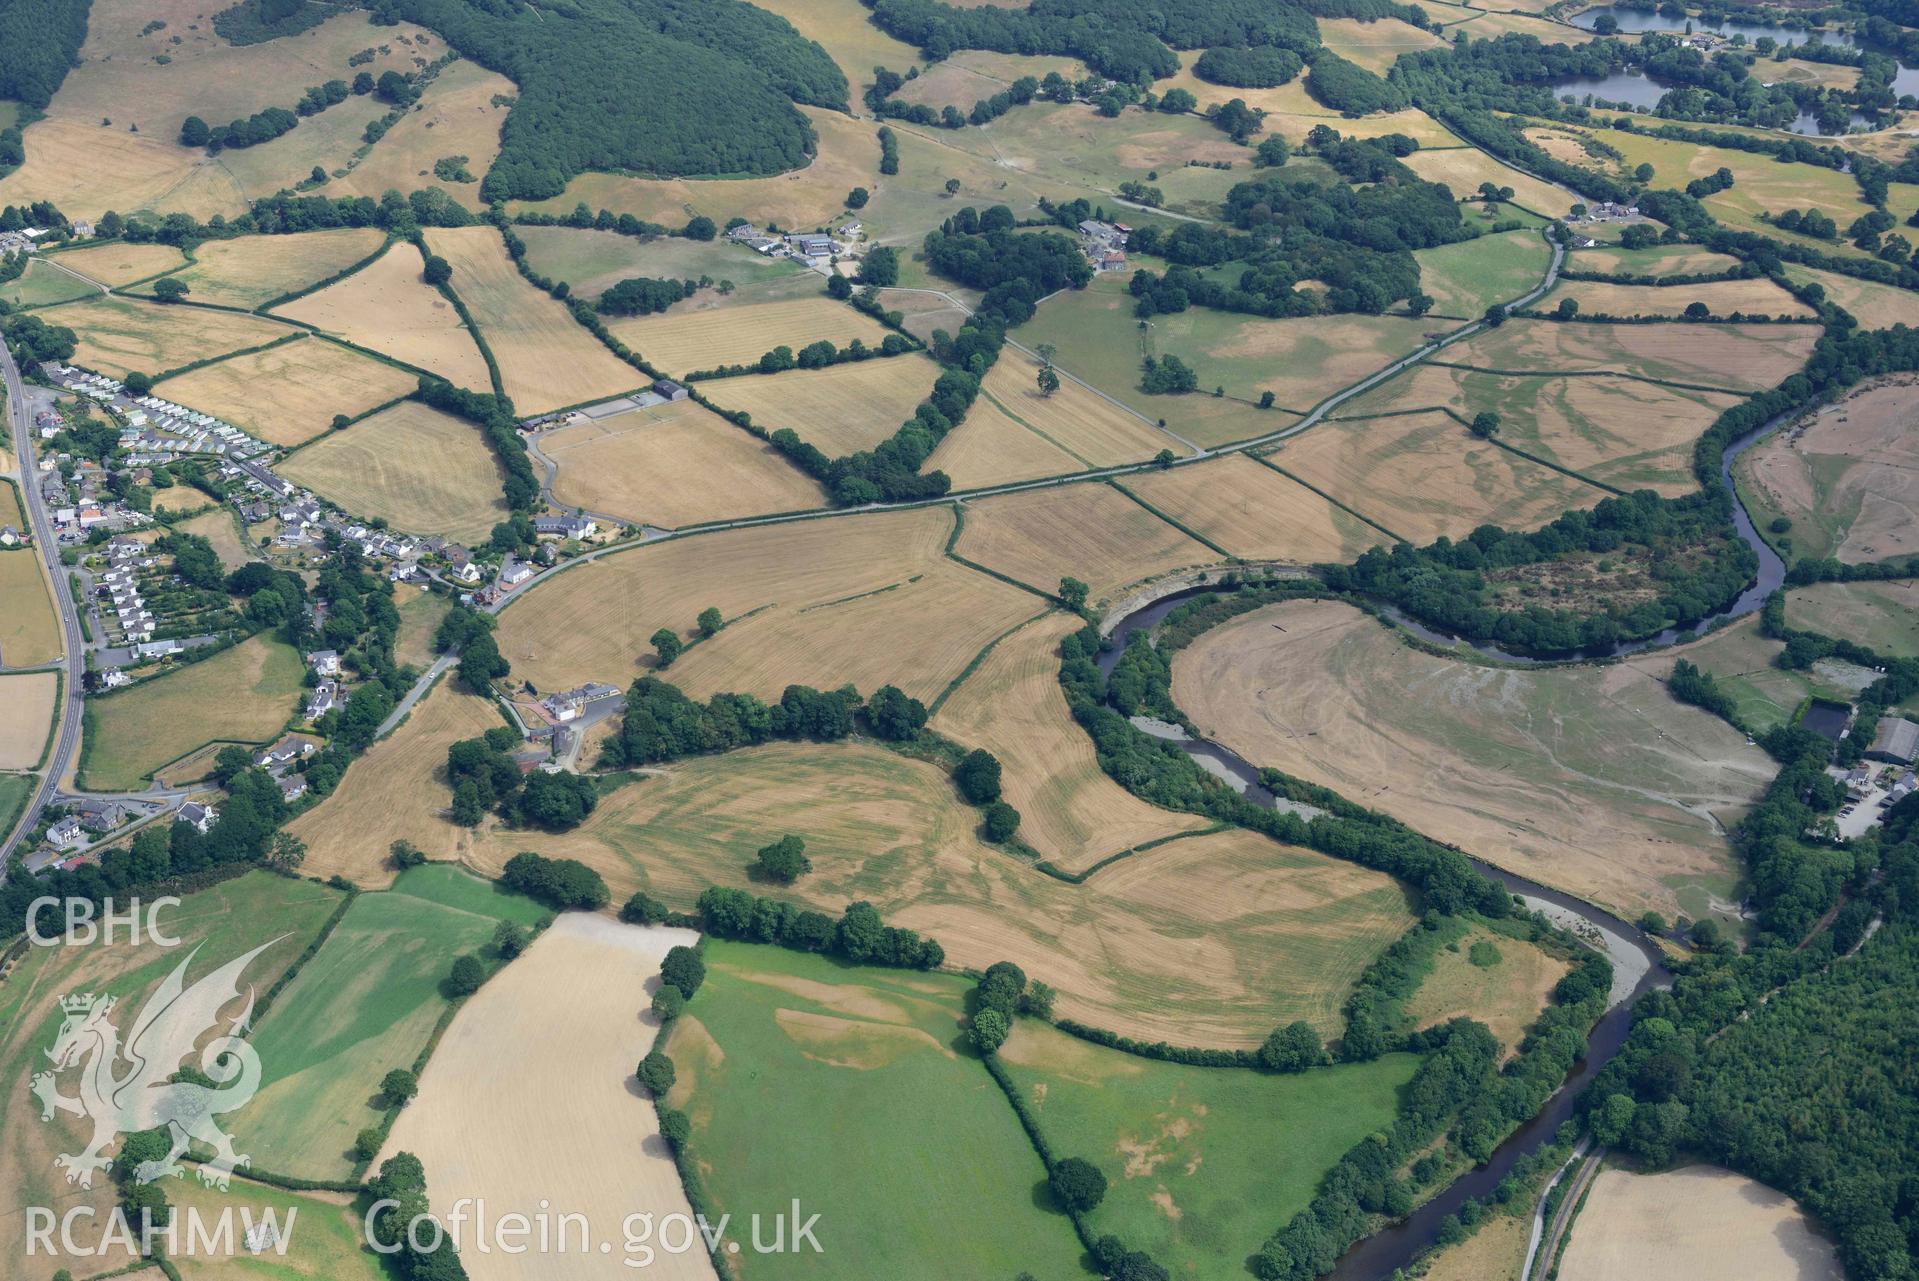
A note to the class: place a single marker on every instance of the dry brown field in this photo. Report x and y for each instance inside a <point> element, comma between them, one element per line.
<point>87,170</point>
<point>1664,260</point>
<point>122,263</point>
<point>1463,168</point>
<point>1881,615</point>
<point>1873,306</point>
<point>1495,1252</point>
<point>289,394</point>
<point>387,307</point>
<point>841,409</point>
<point>1732,357</point>
<point>671,465</point>
<point>1085,424</point>
<point>1620,431</point>
<point>253,270</point>
<point>400,778</point>
<point>849,37</point>
<point>1088,531</point>
<point>1506,996</point>
<point>566,1129</point>
<point>1254,512</point>
<point>1424,475</point>
<point>1722,297</point>
<point>1550,773</point>
<point>1292,112</point>
<point>1845,475</point>
<point>329,140</point>
<point>221,528</point>
<point>26,714</point>
<point>973,74</point>
<point>29,631</point>
<point>425,471</point>
<point>922,313</point>
<point>547,359</point>
<point>992,448</point>
<point>1206,940</point>
<point>1012,706</point>
<point>119,336</point>
<point>1377,44</point>
<point>688,338</point>
<point>1698,1221</point>
<point>181,498</point>
<point>456,117</point>
<point>867,599</point>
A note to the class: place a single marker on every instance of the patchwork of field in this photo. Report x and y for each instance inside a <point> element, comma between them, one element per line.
<point>1758,297</point>
<point>828,1054</point>
<point>671,465</point>
<point>457,116</point>
<point>591,261</point>
<point>1206,940</point>
<point>1882,616</point>
<point>1254,512</point>
<point>245,694</point>
<point>400,778</point>
<point>1844,475</point>
<point>1618,431</point>
<point>1194,1175</point>
<point>44,284</point>
<point>1464,279</point>
<point>1550,773</point>
<point>566,1127</point>
<point>1463,169</point>
<point>291,393</point>
<point>1090,531</point>
<point>121,263</point>
<point>1376,44</point>
<point>367,1003</point>
<point>1658,260</point>
<point>1292,112</point>
<point>689,337</point>
<point>1873,306</point>
<point>1075,144</point>
<point>388,307</point>
<point>921,314</point>
<point>547,359</point>
<point>1725,357</point>
<point>26,717</point>
<point>841,409</point>
<point>29,630</point>
<point>424,471</point>
<point>1077,419</point>
<point>1012,706</point>
<point>250,271</point>
<point>1425,475</point>
<point>920,618</point>
<point>1506,995</point>
<point>1698,1221</point>
<point>993,448</point>
<point>225,921</point>
<point>119,336</point>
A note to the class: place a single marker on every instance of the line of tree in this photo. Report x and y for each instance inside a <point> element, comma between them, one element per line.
<point>815,355</point>
<point>494,416</point>
<point>563,883</point>
<point>858,936</point>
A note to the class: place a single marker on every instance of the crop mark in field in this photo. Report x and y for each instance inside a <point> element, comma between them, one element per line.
<point>877,591</point>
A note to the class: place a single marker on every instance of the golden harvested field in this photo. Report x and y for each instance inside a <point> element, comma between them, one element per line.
<point>26,716</point>
<point>1623,432</point>
<point>1464,168</point>
<point>1551,773</point>
<point>1506,996</point>
<point>221,527</point>
<point>1088,531</point>
<point>1844,474</point>
<point>456,117</point>
<point>966,77</point>
<point>674,464</point>
<point>848,157</point>
<point>850,39</point>
<point>867,599</point>
<point>1012,706</point>
<point>1086,425</point>
<point>29,630</point>
<point>841,409</point>
<point>1207,940</point>
<point>291,393</point>
<point>1873,306</point>
<point>1733,357</point>
<point>1424,475</point>
<point>1495,1252</point>
<point>253,270</point>
<point>1697,1221</point>
<point>181,498</point>
<point>566,1129</point>
<point>992,448</point>
<point>87,170</point>
<point>1292,112</point>
<point>1722,297</point>
<point>687,338</point>
<point>1254,512</point>
<point>119,336</point>
<point>1377,44</point>
<point>122,263</point>
<point>1660,260</point>
<point>387,307</point>
<point>546,358</point>
<point>400,778</point>
<point>245,694</point>
<point>425,471</point>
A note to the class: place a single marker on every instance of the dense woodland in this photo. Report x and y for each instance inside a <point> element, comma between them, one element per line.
<point>39,42</point>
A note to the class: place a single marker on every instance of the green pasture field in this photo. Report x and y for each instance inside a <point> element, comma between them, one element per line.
<point>591,261</point>
<point>1654,260</point>
<point>1201,1164</point>
<point>1883,616</point>
<point>246,694</point>
<point>1466,278</point>
<point>366,1004</point>
<point>44,284</point>
<point>14,791</point>
<point>327,1241</point>
<point>1741,661</point>
<point>853,1088</point>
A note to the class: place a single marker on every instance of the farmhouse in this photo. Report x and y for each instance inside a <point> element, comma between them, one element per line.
<point>200,818</point>
<point>100,816</point>
<point>287,750</point>
<point>1896,740</point>
<point>568,704</point>
<point>67,833</point>
<point>565,527</point>
<point>324,662</point>
<point>323,699</point>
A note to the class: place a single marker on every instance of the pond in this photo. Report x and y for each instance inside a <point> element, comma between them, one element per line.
<point>1637,89</point>
<point>1634,20</point>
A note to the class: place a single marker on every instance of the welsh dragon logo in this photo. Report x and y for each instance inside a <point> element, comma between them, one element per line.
<point>128,1088</point>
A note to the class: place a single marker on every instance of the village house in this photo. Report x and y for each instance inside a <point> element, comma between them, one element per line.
<point>100,816</point>
<point>200,818</point>
<point>514,571</point>
<point>324,662</point>
<point>286,751</point>
<point>568,704</point>
<point>564,527</point>
<point>66,834</point>
<point>322,700</point>
<point>11,537</point>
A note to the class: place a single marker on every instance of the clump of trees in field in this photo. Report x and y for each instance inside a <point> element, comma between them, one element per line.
<point>859,935</point>
<point>562,883</point>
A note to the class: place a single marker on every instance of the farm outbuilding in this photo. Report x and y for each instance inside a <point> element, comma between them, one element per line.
<point>1896,740</point>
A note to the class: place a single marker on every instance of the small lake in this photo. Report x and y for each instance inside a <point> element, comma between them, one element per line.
<point>1637,89</point>
<point>1636,20</point>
